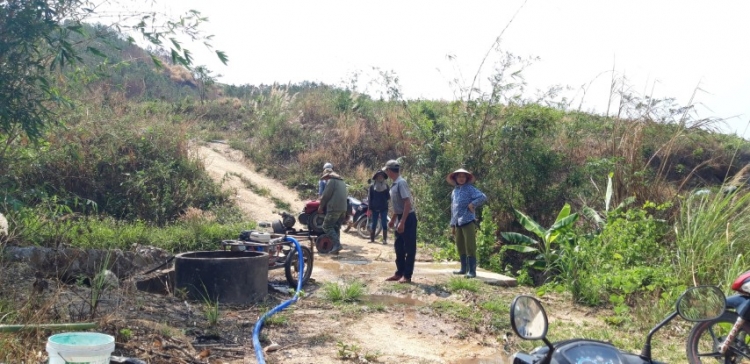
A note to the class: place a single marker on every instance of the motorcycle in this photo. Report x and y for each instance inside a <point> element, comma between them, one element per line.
<point>357,209</point>
<point>364,225</point>
<point>726,338</point>
<point>529,321</point>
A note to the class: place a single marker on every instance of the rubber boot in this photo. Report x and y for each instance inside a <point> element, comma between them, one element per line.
<point>472,263</point>
<point>385,236</point>
<point>372,236</point>
<point>463,265</point>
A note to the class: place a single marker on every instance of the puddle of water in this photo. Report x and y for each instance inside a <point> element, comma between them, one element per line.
<point>354,262</point>
<point>487,360</point>
<point>391,300</point>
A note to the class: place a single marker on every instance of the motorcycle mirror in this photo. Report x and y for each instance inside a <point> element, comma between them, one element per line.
<point>528,319</point>
<point>702,303</point>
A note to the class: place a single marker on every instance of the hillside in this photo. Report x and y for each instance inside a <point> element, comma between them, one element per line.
<point>106,156</point>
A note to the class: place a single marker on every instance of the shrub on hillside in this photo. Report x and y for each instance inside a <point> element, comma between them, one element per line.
<point>134,170</point>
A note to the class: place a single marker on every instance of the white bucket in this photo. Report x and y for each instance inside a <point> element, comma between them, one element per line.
<point>80,348</point>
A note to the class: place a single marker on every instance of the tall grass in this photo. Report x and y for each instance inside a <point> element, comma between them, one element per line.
<point>712,236</point>
<point>191,232</point>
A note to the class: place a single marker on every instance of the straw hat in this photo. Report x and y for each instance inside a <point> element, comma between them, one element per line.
<point>385,175</point>
<point>451,178</point>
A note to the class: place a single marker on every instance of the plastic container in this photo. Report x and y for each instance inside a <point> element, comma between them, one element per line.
<point>260,237</point>
<point>80,348</point>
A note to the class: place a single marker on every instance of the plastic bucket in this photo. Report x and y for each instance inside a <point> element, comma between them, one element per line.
<point>80,348</point>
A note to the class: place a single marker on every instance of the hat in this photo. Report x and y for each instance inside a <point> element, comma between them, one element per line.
<point>451,178</point>
<point>327,173</point>
<point>385,175</point>
<point>328,166</point>
<point>391,164</point>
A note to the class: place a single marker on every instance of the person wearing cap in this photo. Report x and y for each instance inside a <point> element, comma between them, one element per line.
<point>333,203</point>
<point>322,183</point>
<point>465,198</point>
<point>377,198</point>
<point>404,219</point>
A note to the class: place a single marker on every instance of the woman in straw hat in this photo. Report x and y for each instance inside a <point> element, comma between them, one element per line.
<point>378,196</point>
<point>464,201</point>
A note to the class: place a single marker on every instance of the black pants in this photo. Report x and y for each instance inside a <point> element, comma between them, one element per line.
<point>406,246</point>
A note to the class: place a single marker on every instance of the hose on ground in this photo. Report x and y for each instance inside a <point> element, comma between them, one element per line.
<point>283,305</point>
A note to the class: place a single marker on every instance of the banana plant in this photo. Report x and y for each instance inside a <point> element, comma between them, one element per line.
<point>547,245</point>
<point>600,218</point>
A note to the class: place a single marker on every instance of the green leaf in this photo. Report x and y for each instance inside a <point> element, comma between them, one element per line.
<point>522,248</point>
<point>564,223</point>
<point>176,43</point>
<point>608,195</point>
<point>529,224</point>
<point>157,61</point>
<point>564,212</point>
<point>96,52</point>
<point>517,238</point>
<point>222,57</point>
<point>593,215</point>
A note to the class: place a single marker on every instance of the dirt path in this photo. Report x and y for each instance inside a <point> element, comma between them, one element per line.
<point>401,332</point>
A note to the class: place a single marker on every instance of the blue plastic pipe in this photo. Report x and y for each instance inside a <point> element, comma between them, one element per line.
<point>283,305</point>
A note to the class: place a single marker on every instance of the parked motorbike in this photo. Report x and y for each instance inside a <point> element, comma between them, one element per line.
<point>726,338</point>
<point>357,209</point>
<point>529,321</point>
<point>365,223</point>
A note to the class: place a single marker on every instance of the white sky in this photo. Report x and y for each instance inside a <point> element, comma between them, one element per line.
<point>670,46</point>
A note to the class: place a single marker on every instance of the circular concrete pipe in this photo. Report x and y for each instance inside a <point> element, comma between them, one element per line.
<point>223,276</point>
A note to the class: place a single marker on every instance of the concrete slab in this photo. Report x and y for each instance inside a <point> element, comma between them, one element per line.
<point>448,268</point>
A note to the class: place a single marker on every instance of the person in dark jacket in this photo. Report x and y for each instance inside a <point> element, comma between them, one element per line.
<point>464,201</point>
<point>334,204</point>
<point>378,204</point>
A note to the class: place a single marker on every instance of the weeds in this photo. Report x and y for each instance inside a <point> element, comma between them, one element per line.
<point>281,204</point>
<point>279,319</point>
<point>456,284</point>
<point>343,293</point>
<point>347,351</point>
<point>211,310</point>
<point>126,334</point>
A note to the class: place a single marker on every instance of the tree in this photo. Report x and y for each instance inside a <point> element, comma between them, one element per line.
<point>35,41</point>
<point>206,79</point>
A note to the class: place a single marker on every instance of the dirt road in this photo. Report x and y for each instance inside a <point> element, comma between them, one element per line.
<point>399,331</point>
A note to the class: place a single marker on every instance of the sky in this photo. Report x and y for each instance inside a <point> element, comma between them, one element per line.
<point>665,48</point>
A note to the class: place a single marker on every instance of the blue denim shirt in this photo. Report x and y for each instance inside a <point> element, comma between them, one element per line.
<point>321,187</point>
<point>462,196</point>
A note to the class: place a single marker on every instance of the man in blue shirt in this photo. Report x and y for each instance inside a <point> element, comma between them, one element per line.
<point>328,167</point>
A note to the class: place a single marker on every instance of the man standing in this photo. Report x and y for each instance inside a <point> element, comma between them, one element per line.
<point>333,203</point>
<point>406,230</point>
<point>321,183</point>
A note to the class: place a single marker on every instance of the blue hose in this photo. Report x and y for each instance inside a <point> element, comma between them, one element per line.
<point>283,305</point>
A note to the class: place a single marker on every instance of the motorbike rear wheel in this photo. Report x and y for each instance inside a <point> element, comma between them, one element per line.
<point>706,337</point>
<point>363,228</point>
